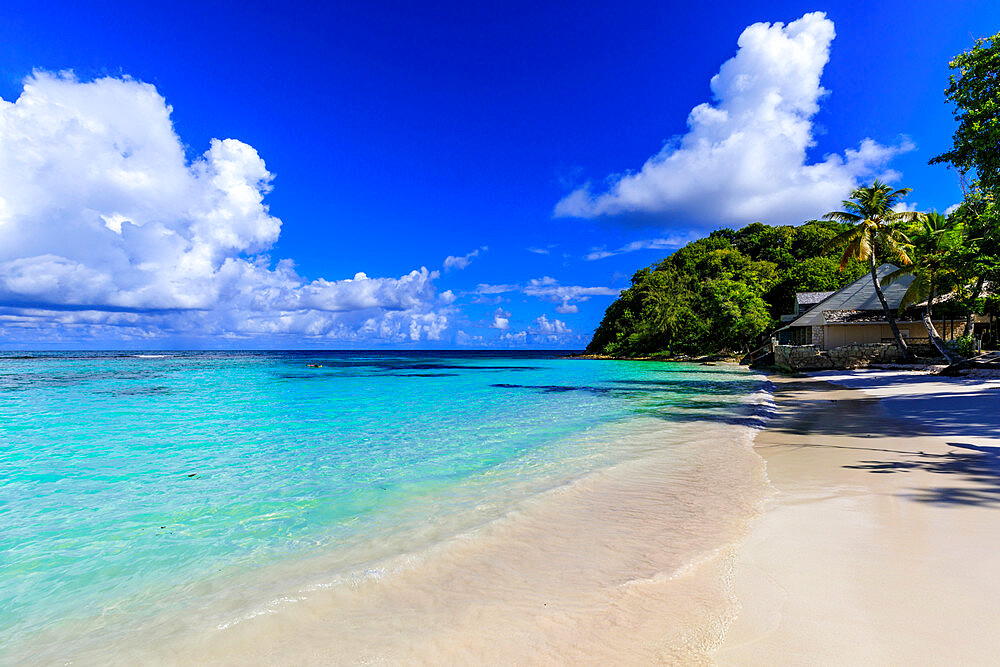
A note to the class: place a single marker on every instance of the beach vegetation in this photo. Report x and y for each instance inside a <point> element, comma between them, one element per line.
<point>934,243</point>
<point>977,261</point>
<point>974,89</point>
<point>874,235</point>
<point>965,346</point>
<point>720,293</point>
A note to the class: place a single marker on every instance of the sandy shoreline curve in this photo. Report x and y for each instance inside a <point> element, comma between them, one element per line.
<point>629,562</point>
<point>881,544</point>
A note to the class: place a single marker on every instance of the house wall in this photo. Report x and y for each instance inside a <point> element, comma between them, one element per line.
<point>836,335</point>
<point>846,334</point>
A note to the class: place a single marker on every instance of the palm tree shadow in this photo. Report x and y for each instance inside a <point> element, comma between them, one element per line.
<point>976,469</point>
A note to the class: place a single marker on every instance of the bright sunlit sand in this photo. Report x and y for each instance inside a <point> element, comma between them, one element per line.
<point>880,545</point>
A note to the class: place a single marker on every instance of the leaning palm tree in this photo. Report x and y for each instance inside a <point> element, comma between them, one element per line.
<point>875,232</point>
<point>934,240</point>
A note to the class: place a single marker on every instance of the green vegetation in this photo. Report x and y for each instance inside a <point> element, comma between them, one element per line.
<point>974,88</point>
<point>875,234</point>
<point>721,293</point>
<point>936,242</point>
<point>977,261</point>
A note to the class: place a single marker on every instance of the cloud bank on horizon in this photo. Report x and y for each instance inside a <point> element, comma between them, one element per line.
<point>107,230</point>
<point>744,158</point>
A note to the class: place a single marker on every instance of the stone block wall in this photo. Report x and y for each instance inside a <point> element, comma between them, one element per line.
<point>859,355</point>
<point>801,357</point>
<point>818,334</point>
<point>856,355</point>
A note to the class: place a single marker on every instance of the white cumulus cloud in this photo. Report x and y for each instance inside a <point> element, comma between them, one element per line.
<point>452,262</point>
<point>744,157</point>
<point>671,243</point>
<point>542,331</point>
<point>107,230</point>
<point>484,288</point>
<point>549,289</point>
<point>463,338</point>
<point>547,327</point>
<point>501,319</point>
<point>514,339</point>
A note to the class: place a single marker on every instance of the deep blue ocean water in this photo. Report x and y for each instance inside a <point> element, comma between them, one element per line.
<point>129,479</point>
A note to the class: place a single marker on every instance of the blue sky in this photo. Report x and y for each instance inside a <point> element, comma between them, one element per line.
<point>384,138</point>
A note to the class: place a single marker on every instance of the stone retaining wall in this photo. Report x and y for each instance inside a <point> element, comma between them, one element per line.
<point>856,355</point>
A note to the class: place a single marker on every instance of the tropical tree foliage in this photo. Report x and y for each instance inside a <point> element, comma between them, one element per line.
<point>875,235</point>
<point>720,293</point>
<point>977,261</point>
<point>974,88</point>
<point>936,242</point>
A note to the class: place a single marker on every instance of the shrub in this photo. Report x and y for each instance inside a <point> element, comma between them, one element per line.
<point>964,345</point>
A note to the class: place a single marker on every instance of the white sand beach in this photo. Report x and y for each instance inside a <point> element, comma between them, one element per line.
<point>881,543</point>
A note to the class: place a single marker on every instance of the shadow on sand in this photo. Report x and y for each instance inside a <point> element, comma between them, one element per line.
<point>969,414</point>
<point>977,467</point>
<point>973,469</point>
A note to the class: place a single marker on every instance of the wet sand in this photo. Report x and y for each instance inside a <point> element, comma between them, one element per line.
<point>628,564</point>
<point>881,544</point>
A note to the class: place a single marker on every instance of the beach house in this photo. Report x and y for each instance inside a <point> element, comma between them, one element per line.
<point>853,316</point>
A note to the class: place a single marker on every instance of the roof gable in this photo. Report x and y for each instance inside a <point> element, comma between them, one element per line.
<point>809,298</point>
<point>858,295</point>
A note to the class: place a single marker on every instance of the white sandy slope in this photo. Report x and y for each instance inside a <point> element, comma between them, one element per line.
<point>882,543</point>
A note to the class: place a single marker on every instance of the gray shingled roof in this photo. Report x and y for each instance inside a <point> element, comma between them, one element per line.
<point>859,295</point>
<point>809,298</point>
<point>853,316</point>
<point>989,289</point>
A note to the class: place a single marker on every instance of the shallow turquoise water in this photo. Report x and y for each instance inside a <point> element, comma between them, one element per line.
<point>128,477</point>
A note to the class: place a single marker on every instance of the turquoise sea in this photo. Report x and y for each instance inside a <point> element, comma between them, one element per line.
<point>137,487</point>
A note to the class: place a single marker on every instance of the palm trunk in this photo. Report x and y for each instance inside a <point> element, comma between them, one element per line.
<point>900,343</point>
<point>932,333</point>
<point>941,346</point>
<point>975,295</point>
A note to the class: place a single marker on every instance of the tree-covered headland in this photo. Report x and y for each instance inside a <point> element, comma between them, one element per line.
<point>720,294</point>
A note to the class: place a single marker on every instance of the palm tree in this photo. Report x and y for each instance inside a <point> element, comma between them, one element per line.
<point>875,232</point>
<point>935,240</point>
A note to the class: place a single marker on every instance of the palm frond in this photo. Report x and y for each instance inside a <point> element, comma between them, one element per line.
<point>851,240</point>
<point>877,227</point>
<point>843,237</point>
<point>897,275</point>
<point>918,291</point>
<point>897,235</point>
<point>904,216</point>
<point>864,247</point>
<point>896,250</point>
<point>843,216</point>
